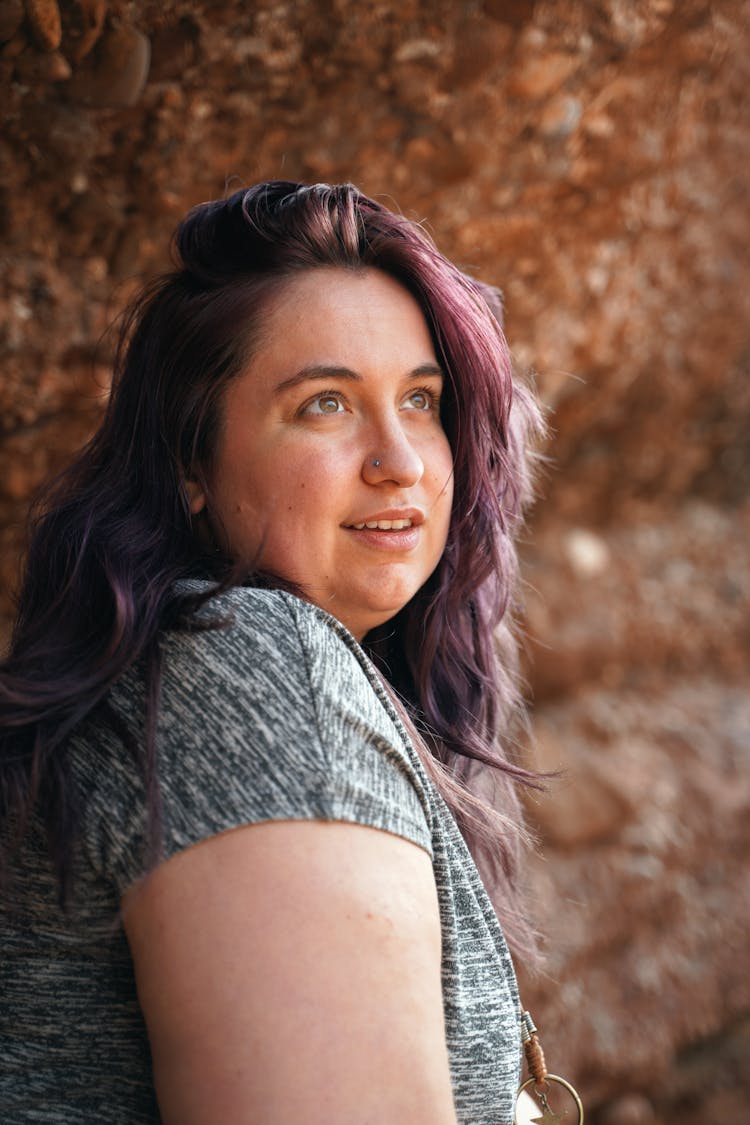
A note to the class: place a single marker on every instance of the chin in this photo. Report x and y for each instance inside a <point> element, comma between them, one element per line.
<point>366,623</point>
<point>374,605</point>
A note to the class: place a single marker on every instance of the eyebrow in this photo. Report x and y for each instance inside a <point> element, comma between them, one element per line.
<point>333,371</point>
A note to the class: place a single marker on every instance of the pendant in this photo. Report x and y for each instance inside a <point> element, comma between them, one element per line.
<point>541,1092</point>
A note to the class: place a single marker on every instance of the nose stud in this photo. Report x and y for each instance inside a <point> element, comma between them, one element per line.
<point>376,463</point>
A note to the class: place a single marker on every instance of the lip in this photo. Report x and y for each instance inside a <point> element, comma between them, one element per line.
<point>413,514</point>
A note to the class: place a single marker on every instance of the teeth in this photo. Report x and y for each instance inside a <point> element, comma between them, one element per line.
<point>383,525</point>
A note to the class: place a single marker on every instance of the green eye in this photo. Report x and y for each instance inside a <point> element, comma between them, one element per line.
<point>422,400</point>
<point>326,403</point>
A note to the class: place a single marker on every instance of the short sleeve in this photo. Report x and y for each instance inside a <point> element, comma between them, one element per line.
<point>277,716</point>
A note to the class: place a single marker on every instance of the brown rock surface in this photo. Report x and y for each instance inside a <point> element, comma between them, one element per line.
<point>593,159</point>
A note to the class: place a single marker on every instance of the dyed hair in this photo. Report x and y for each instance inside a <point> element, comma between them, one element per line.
<point>114,534</point>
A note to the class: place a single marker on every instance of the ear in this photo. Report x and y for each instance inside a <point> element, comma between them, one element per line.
<point>196,496</point>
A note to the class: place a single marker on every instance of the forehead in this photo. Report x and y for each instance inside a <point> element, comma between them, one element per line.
<point>324,314</point>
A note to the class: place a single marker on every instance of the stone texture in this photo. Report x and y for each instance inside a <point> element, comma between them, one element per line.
<point>43,17</point>
<point>593,159</point>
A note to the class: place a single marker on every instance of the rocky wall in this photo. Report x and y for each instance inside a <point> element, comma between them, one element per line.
<point>593,159</point>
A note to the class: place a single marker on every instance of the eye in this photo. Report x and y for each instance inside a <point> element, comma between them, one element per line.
<point>422,399</point>
<point>329,402</point>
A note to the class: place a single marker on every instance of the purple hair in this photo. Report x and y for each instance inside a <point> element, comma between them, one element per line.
<point>114,533</point>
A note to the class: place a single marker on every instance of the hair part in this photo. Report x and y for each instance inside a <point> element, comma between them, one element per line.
<point>114,534</point>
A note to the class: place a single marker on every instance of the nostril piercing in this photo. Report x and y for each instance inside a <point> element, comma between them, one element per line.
<point>376,463</point>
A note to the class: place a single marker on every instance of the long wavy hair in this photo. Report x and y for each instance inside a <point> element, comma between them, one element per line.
<point>113,536</point>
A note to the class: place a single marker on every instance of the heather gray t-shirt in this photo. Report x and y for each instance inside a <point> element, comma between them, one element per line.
<point>279,716</point>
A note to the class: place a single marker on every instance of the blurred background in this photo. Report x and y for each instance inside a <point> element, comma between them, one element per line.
<point>593,160</point>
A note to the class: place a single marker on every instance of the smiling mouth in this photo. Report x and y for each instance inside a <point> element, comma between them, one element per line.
<point>381,525</point>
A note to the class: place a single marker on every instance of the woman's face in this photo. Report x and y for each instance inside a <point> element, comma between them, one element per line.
<point>332,469</point>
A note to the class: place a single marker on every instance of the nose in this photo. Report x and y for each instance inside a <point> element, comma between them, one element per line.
<point>392,459</point>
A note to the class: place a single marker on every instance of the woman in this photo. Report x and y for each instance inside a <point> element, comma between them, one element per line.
<point>256,654</point>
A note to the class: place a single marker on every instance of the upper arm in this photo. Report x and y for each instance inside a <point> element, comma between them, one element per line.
<point>290,972</point>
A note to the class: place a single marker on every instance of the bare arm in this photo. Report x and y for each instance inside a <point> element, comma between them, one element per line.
<point>289,972</point>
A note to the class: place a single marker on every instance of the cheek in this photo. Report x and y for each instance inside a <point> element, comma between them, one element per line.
<point>443,471</point>
<point>447,511</point>
<point>300,490</point>
<point>446,495</point>
<point>303,499</point>
<point>320,475</point>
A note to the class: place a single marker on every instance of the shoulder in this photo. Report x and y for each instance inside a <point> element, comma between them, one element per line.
<point>295,675</point>
<point>269,644</point>
<point>244,624</point>
<point>270,713</point>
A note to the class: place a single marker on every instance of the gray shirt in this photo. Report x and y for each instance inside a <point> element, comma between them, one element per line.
<point>278,716</point>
